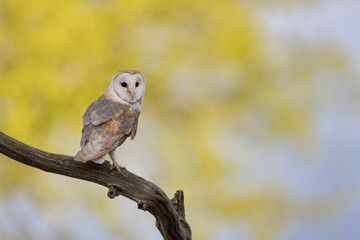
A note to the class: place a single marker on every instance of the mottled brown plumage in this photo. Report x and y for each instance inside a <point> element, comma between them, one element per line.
<point>112,118</point>
<point>106,125</point>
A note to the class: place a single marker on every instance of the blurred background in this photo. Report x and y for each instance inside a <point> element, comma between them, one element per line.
<point>251,108</point>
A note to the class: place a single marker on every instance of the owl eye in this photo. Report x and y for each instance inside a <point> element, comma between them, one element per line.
<point>136,84</point>
<point>123,84</point>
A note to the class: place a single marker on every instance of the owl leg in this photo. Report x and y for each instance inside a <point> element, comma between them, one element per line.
<point>115,165</point>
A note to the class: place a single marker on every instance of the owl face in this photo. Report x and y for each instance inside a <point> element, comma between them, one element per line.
<point>129,86</point>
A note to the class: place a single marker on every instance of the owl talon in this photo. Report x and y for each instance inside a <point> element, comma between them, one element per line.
<point>112,118</point>
<point>117,167</point>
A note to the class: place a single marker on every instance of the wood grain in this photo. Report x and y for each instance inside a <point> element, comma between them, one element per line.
<point>169,214</point>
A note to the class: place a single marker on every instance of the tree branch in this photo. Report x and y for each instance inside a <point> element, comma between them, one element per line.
<point>169,214</point>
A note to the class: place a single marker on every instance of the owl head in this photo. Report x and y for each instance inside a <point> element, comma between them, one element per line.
<point>128,85</point>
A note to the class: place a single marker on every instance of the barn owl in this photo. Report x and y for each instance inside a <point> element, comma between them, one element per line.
<point>112,118</point>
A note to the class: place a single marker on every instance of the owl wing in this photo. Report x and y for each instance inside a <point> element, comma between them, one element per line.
<point>107,124</point>
<point>102,110</point>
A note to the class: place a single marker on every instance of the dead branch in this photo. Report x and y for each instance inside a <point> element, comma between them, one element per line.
<point>169,214</point>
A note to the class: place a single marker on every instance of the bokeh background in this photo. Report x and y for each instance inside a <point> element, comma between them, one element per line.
<point>251,108</point>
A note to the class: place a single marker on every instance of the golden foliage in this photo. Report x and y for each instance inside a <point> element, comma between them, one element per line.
<point>207,78</point>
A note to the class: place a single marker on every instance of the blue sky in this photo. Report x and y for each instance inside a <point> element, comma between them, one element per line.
<point>331,172</point>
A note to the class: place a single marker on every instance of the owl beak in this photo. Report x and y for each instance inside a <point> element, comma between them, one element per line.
<point>131,93</point>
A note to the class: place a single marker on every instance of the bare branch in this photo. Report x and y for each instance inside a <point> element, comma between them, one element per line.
<point>169,214</point>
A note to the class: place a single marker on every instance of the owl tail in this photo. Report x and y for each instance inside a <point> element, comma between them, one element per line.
<point>89,153</point>
<point>80,158</point>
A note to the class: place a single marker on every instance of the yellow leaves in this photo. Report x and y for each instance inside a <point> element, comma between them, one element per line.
<point>231,31</point>
<point>207,74</point>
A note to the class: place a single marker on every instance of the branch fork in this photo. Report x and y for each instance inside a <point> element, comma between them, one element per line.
<point>169,214</point>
